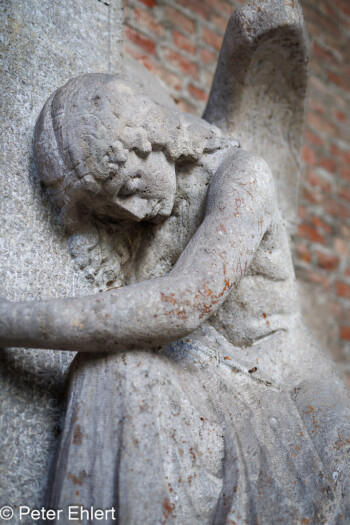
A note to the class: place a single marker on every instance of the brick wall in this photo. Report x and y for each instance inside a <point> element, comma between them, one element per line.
<point>179,40</point>
<point>323,243</point>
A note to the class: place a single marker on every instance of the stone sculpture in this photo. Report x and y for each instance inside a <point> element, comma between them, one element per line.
<point>197,395</point>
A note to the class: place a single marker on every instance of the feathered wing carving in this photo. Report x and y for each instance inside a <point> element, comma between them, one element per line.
<point>259,90</point>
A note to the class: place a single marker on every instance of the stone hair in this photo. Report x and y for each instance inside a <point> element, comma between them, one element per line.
<point>87,128</point>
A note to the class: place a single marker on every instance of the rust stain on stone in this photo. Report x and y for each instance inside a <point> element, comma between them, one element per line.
<point>193,454</point>
<point>310,409</point>
<point>77,435</point>
<point>77,480</point>
<point>167,508</point>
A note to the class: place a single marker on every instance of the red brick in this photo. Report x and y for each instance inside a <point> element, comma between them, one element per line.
<point>313,139</point>
<point>138,55</point>
<point>340,102</point>
<point>344,315</point>
<point>182,63</point>
<point>220,22</point>
<point>197,6</point>
<point>327,262</point>
<point>309,156</point>
<point>318,181</point>
<point>339,80</point>
<point>319,223</point>
<point>323,22</point>
<point>340,246</point>
<point>211,38</point>
<point>315,277</point>
<point>347,272</point>
<point>197,93</point>
<point>169,78</point>
<point>149,3</point>
<point>335,150</point>
<point>343,5</point>
<point>343,211</point>
<point>329,11</point>
<point>183,42</point>
<point>342,289</point>
<point>308,232</point>
<point>336,209</point>
<point>317,66</point>
<point>344,155</point>
<point>340,116</point>
<point>345,231</point>
<point>320,86</point>
<point>303,253</point>
<point>208,57</point>
<point>314,196</point>
<point>320,52</point>
<point>225,8</point>
<point>345,71</point>
<point>345,172</point>
<point>185,106</point>
<point>179,19</point>
<point>328,164</point>
<point>344,332</point>
<point>344,193</point>
<point>315,105</point>
<point>320,124</point>
<point>302,212</point>
<point>141,41</point>
<point>145,18</point>
<point>331,206</point>
<point>335,308</point>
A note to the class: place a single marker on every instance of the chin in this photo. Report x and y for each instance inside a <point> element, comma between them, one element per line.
<point>158,219</point>
<point>159,213</point>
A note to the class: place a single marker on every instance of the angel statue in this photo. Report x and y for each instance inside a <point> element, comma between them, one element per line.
<point>197,396</point>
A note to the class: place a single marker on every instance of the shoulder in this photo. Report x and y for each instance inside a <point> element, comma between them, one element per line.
<point>245,173</point>
<point>242,164</point>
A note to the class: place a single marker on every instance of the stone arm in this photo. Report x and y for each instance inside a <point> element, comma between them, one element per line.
<point>240,207</point>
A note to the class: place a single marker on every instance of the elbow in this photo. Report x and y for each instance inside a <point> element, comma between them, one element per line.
<point>191,320</point>
<point>184,310</point>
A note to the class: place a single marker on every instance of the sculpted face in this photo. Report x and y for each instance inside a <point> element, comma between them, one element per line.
<point>106,150</point>
<point>143,189</point>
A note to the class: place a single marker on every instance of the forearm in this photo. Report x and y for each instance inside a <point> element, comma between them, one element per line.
<point>144,315</point>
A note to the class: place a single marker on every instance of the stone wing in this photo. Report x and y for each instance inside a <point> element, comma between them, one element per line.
<point>259,90</point>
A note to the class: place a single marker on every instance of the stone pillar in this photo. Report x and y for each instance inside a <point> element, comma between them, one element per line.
<point>45,42</point>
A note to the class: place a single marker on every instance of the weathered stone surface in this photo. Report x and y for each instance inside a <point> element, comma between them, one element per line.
<point>44,43</point>
<point>197,396</point>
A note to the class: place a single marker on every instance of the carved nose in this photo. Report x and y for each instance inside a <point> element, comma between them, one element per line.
<point>131,186</point>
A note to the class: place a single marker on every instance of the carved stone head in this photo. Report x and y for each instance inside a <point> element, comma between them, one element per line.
<point>102,148</point>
